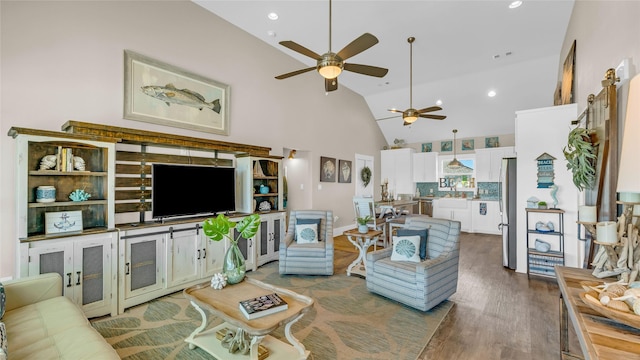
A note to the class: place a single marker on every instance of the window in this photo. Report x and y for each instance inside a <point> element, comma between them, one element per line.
<point>463,178</point>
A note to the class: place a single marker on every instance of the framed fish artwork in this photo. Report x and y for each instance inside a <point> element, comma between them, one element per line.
<point>163,94</point>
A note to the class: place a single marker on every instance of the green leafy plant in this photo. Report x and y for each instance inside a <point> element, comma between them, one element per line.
<point>365,175</point>
<point>542,203</point>
<point>219,227</point>
<point>581,158</point>
<point>363,220</point>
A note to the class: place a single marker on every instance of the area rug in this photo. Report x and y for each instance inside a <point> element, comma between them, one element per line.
<point>346,322</point>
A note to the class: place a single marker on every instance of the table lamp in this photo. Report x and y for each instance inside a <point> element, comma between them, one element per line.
<point>629,170</point>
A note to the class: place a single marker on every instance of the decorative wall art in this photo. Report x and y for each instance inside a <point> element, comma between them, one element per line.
<point>446,146</point>
<point>327,169</point>
<point>545,171</point>
<point>566,90</point>
<point>344,174</point>
<point>63,222</point>
<point>491,142</point>
<point>160,93</point>
<point>468,144</point>
<point>427,147</point>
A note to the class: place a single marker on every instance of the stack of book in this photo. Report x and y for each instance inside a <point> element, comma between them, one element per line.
<point>262,306</point>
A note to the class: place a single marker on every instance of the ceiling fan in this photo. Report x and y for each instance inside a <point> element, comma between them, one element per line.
<point>411,115</point>
<point>331,64</point>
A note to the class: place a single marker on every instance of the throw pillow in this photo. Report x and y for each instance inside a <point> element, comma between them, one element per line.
<point>405,248</point>
<point>423,233</point>
<point>307,233</point>
<point>3,342</point>
<point>311,221</point>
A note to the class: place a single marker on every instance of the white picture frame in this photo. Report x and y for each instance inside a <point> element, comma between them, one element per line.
<point>63,222</point>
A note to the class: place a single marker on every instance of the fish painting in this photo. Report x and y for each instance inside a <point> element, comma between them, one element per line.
<point>172,95</point>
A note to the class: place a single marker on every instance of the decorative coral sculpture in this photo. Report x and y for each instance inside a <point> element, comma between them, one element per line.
<point>218,281</point>
<point>79,195</point>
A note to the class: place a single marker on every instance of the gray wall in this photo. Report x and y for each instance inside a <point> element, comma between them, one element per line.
<point>64,61</point>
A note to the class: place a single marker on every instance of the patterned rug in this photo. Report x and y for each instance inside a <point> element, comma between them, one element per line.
<point>347,322</point>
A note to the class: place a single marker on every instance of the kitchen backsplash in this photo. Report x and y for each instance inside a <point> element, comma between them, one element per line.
<point>486,190</point>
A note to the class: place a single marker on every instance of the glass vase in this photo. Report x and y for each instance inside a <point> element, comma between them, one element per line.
<point>234,264</point>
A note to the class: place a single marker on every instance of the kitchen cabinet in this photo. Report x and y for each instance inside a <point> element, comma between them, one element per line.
<point>425,167</point>
<point>453,209</point>
<point>485,217</point>
<point>396,167</point>
<point>87,265</point>
<point>489,161</point>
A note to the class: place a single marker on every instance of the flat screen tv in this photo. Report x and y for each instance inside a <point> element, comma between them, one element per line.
<point>185,190</point>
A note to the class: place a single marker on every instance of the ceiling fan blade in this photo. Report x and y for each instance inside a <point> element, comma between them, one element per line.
<point>434,117</point>
<point>294,73</point>
<point>366,69</point>
<point>330,84</point>
<point>388,117</point>
<point>300,49</point>
<point>396,110</point>
<point>357,46</point>
<point>406,123</point>
<point>430,109</point>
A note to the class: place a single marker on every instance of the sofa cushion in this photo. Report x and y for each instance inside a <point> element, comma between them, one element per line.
<point>423,233</point>
<point>307,233</point>
<point>306,250</point>
<point>3,342</point>
<point>406,248</point>
<point>317,221</point>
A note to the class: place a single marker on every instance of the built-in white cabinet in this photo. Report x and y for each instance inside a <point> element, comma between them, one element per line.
<point>87,265</point>
<point>488,162</point>
<point>396,168</point>
<point>485,217</point>
<point>425,167</point>
<point>258,183</point>
<point>269,235</point>
<point>453,209</point>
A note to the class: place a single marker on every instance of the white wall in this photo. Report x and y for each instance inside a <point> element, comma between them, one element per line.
<point>539,131</point>
<point>64,61</point>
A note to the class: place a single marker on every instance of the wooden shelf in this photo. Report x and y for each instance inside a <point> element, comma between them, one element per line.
<point>67,203</point>
<point>67,173</point>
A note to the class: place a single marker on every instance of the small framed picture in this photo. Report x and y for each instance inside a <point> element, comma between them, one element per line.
<point>427,147</point>
<point>327,169</point>
<point>344,171</point>
<point>63,222</point>
<point>446,146</point>
<point>491,142</point>
<point>467,144</point>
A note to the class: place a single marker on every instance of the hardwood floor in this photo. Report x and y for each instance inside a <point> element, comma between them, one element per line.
<point>498,313</point>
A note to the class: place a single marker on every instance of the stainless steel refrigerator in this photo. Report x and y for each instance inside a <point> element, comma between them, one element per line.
<point>508,225</point>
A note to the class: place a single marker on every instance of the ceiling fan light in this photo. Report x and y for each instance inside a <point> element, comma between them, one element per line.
<point>330,71</point>
<point>410,119</point>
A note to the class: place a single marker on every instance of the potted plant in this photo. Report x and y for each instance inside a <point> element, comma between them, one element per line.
<point>362,224</point>
<point>581,155</point>
<point>221,227</point>
<point>542,204</point>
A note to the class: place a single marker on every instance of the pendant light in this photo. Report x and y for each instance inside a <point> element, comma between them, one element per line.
<point>454,164</point>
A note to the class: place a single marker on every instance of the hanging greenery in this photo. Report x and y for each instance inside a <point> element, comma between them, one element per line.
<point>581,158</point>
<point>365,175</point>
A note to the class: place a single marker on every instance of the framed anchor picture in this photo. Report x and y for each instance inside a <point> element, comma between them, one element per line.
<point>164,94</point>
<point>63,222</point>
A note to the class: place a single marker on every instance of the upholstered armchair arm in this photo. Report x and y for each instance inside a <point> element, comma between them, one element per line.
<point>288,239</point>
<point>379,254</point>
<point>445,260</point>
<point>32,289</point>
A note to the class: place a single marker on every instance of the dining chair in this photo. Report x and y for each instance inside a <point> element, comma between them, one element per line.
<point>365,206</point>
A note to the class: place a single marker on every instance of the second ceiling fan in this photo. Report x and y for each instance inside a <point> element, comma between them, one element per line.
<point>411,115</point>
<point>331,64</point>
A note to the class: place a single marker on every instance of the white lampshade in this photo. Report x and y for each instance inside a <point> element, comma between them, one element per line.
<point>629,173</point>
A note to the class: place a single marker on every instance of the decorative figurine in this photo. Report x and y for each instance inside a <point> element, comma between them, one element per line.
<point>218,281</point>
<point>79,195</point>
<point>48,162</point>
<point>554,191</point>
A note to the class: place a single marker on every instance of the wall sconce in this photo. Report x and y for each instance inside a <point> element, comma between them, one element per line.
<point>292,154</point>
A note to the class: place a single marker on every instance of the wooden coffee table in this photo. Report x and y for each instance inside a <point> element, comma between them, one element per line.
<point>224,304</point>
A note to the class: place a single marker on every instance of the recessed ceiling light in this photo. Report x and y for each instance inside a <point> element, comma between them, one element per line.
<point>491,93</point>
<point>273,16</point>
<point>438,102</point>
<point>515,4</point>
<point>271,33</point>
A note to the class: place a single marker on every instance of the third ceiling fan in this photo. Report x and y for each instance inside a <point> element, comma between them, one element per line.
<point>411,115</point>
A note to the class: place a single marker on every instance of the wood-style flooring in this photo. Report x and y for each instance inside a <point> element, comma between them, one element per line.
<point>498,313</point>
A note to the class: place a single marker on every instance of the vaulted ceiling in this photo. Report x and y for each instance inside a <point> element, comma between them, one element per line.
<point>463,49</point>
